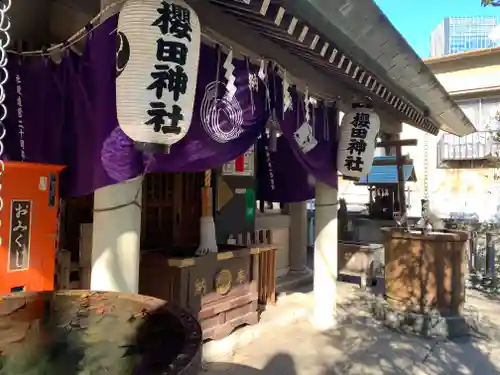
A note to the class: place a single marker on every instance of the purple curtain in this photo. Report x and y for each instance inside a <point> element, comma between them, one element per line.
<point>280,176</point>
<point>34,133</point>
<point>66,114</point>
<point>320,162</point>
<point>288,175</point>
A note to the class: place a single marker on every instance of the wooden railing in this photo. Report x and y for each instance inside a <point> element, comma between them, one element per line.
<point>262,245</point>
<point>267,276</point>
<point>72,274</point>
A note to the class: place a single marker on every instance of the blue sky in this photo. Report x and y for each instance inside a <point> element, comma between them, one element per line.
<point>415,19</point>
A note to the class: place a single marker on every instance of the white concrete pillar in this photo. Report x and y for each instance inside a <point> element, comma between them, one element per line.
<point>298,237</point>
<point>117,226</point>
<point>116,237</point>
<point>325,258</point>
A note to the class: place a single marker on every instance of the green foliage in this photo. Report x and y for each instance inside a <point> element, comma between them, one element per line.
<point>495,3</point>
<point>496,137</point>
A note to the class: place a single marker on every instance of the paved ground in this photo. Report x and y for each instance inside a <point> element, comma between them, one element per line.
<point>361,346</point>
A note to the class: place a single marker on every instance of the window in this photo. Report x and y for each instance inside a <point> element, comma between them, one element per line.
<point>489,115</point>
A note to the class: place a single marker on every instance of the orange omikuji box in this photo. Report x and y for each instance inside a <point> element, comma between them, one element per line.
<point>28,227</point>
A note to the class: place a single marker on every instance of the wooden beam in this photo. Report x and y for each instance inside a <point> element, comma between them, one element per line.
<point>405,160</point>
<point>399,142</point>
<point>232,32</point>
<point>30,22</point>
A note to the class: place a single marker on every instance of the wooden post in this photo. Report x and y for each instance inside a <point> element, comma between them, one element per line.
<point>490,256</point>
<point>401,182</point>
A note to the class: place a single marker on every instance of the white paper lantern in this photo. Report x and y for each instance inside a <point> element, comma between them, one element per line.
<point>158,51</point>
<point>357,141</point>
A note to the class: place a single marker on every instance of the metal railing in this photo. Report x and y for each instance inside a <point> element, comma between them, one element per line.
<point>483,261</point>
<point>483,253</point>
<point>475,146</point>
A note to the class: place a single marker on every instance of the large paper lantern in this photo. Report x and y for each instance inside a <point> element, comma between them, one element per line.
<point>357,141</point>
<point>158,49</point>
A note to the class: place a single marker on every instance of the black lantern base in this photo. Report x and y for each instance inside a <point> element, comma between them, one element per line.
<point>152,147</point>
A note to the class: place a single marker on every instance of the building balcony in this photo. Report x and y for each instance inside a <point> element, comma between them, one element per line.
<point>476,150</point>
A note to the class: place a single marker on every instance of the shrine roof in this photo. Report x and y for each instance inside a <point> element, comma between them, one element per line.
<point>353,46</point>
<point>387,174</point>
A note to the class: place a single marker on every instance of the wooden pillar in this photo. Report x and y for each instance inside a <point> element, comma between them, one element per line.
<point>401,182</point>
<point>116,230</point>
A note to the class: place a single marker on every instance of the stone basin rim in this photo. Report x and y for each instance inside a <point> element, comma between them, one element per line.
<point>190,352</point>
<point>447,235</point>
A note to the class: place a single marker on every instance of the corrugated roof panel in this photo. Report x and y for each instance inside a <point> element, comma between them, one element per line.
<point>360,28</point>
<point>385,158</point>
<point>387,174</point>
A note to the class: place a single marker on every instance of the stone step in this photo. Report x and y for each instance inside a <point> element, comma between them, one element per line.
<point>294,281</point>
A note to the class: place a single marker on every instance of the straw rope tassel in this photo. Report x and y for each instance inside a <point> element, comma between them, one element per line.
<point>208,178</point>
<point>208,241</point>
<point>207,195</point>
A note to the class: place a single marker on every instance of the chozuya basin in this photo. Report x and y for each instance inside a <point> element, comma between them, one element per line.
<point>94,333</point>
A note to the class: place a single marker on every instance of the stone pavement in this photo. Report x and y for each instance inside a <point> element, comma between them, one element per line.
<point>361,346</point>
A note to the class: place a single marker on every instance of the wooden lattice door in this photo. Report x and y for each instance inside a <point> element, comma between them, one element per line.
<point>74,212</point>
<point>189,209</point>
<point>171,210</point>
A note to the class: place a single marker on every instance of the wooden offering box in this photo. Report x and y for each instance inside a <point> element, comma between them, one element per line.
<point>222,289</point>
<point>425,271</point>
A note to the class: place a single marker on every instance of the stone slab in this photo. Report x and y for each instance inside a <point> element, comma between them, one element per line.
<point>431,324</point>
<point>288,310</point>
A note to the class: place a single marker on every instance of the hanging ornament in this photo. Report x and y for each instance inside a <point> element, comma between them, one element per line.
<point>304,135</point>
<point>262,70</point>
<point>253,82</point>
<point>273,127</point>
<point>229,75</point>
<point>222,120</point>
<point>307,115</point>
<point>4,31</point>
<point>287,97</point>
<point>357,141</point>
<point>157,70</point>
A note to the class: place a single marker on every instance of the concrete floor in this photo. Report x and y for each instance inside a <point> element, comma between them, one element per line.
<point>361,346</point>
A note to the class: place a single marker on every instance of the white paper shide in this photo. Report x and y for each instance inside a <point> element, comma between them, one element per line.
<point>357,141</point>
<point>157,68</point>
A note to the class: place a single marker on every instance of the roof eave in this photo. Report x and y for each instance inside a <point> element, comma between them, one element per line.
<point>462,55</point>
<point>376,44</point>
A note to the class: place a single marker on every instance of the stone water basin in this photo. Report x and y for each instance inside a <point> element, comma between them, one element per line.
<point>94,333</point>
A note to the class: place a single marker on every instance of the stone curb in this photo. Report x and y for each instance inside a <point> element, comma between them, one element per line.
<point>290,286</point>
<point>224,349</point>
<point>429,325</point>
